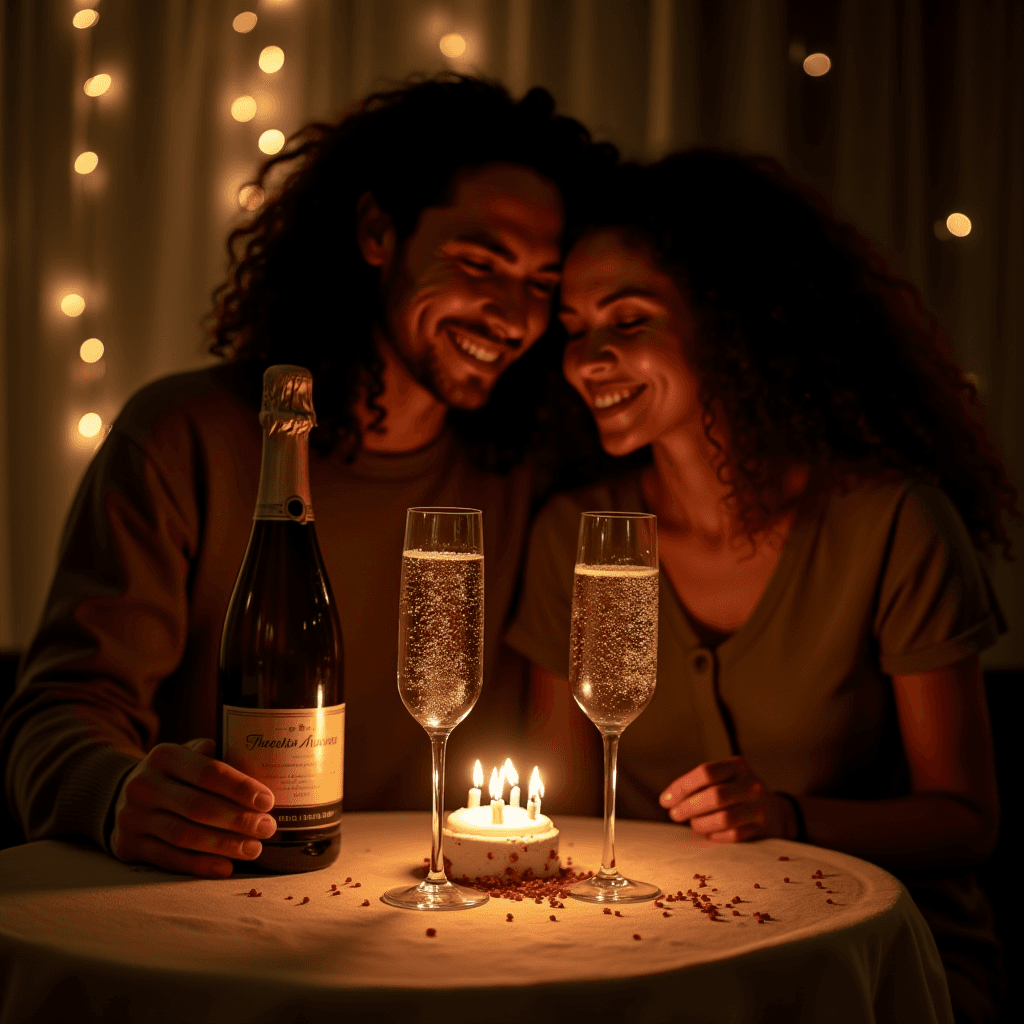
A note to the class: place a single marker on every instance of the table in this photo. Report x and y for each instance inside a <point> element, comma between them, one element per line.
<point>84,937</point>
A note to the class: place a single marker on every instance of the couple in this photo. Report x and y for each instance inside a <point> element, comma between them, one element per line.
<point>819,469</point>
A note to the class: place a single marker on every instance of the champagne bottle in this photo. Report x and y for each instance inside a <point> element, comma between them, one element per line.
<point>281,713</point>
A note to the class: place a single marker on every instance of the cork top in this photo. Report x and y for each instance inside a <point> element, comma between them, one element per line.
<point>287,400</point>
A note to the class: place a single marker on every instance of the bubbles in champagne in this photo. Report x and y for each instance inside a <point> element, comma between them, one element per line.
<point>440,635</point>
<point>613,650</point>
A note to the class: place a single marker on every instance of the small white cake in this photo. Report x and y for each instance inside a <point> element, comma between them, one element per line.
<point>518,847</point>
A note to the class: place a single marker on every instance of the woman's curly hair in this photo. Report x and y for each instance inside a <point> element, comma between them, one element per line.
<point>299,290</point>
<point>808,349</point>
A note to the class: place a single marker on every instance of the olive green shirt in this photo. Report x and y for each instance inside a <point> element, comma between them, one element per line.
<point>881,581</point>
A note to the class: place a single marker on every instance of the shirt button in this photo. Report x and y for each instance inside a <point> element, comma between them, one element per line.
<point>701,662</point>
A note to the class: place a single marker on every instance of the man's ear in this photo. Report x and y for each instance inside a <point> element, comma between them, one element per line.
<point>375,232</point>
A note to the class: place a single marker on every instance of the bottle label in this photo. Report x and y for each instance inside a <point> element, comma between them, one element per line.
<point>298,754</point>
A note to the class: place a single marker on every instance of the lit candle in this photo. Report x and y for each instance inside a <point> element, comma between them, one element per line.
<point>536,792</point>
<point>513,780</point>
<point>496,787</point>
<point>473,800</point>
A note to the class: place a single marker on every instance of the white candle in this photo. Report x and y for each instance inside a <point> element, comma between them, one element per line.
<point>496,788</point>
<point>513,779</point>
<point>473,800</point>
<point>536,792</point>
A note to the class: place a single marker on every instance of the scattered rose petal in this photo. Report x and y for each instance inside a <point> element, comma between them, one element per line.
<point>431,932</point>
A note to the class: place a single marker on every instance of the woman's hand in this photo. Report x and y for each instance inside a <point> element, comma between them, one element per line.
<point>726,802</point>
<point>184,811</point>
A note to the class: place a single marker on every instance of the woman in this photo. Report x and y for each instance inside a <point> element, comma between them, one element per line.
<point>823,484</point>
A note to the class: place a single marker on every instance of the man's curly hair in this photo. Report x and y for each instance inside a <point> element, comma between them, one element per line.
<point>808,349</point>
<point>299,290</point>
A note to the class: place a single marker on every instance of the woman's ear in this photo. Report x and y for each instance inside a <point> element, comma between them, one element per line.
<point>375,233</point>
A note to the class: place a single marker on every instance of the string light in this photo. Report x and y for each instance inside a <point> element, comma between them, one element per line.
<point>90,424</point>
<point>817,64</point>
<point>271,59</point>
<point>250,197</point>
<point>958,224</point>
<point>97,85</point>
<point>86,163</point>
<point>72,305</point>
<point>271,141</point>
<point>244,22</point>
<point>91,350</point>
<point>85,18</point>
<point>243,108</point>
<point>452,45</point>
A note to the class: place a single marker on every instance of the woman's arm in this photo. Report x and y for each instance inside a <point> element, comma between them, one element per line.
<point>565,744</point>
<point>949,820</point>
<point>952,814</point>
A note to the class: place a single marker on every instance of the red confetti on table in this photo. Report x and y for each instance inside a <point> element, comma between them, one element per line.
<point>618,913</point>
<point>635,936</point>
<point>665,913</point>
<point>334,886</point>
<point>365,903</point>
<point>785,879</point>
<point>607,910</point>
<point>305,899</point>
<point>431,932</point>
<point>552,918</point>
<point>735,913</point>
<point>347,880</point>
<point>783,858</point>
<point>289,897</point>
<point>508,917</point>
<point>253,892</point>
<point>829,901</point>
<point>357,885</point>
<point>756,885</point>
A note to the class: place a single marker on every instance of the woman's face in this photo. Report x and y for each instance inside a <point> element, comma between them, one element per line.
<point>628,327</point>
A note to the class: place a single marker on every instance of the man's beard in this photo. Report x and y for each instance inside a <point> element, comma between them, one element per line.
<point>428,371</point>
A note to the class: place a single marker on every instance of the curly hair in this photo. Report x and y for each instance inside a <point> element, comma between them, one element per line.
<point>299,290</point>
<point>808,349</point>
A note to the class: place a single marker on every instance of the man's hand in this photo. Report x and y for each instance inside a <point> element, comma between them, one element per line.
<point>184,811</point>
<point>726,802</point>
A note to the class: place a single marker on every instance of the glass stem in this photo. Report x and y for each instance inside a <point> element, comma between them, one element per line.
<point>437,745</point>
<point>611,755</point>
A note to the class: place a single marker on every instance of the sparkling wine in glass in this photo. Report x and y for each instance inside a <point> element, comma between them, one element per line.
<point>613,658</point>
<point>440,662</point>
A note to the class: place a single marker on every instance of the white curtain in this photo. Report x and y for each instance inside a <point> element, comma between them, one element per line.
<point>919,116</point>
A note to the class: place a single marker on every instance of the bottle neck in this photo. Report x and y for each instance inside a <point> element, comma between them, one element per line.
<point>284,477</point>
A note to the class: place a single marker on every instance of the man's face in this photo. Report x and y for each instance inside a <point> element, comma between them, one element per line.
<point>471,290</point>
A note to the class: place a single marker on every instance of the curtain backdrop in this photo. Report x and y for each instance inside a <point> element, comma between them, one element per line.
<point>920,115</point>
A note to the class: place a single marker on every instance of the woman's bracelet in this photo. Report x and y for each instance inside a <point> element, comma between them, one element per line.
<point>798,814</point>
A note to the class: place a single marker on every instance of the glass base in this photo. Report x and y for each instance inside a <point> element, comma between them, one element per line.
<point>434,896</point>
<point>613,889</point>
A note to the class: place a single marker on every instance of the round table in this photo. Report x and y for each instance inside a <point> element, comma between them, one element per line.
<point>84,937</point>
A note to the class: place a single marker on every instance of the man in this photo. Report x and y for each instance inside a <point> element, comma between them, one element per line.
<point>408,256</point>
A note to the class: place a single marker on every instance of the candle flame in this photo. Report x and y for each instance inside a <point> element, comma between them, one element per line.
<point>536,785</point>
<point>478,775</point>
<point>497,784</point>
<point>510,773</point>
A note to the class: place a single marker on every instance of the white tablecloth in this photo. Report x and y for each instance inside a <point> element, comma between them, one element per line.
<point>84,938</point>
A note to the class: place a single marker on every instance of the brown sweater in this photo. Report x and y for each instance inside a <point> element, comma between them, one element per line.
<point>126,654</point>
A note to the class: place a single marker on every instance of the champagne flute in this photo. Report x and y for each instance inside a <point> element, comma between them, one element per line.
<point>613,659</point>
<point>440,662</point>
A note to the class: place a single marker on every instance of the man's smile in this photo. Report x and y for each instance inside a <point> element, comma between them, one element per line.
<point>474,346</point>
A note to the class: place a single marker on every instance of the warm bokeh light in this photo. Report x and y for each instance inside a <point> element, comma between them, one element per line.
<point>244,22</point>
<point>91,350</point>
<point>97,85</point>
<point>250,197</point>
<point>817,64</point>
<point>271,141</point>
<point>72,305</point>
<point>90,425</point>
<point>453,45</point>
<point>958,224</point>
<point>85,18</point>
<point>244,108</point>
<point>86,163</point>
<point>271,59</point>
<point>797,51</point>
